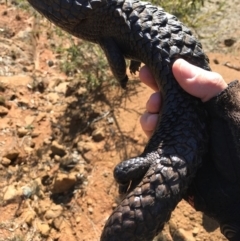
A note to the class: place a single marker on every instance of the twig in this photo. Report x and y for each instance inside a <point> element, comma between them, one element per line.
<point>227,64</point>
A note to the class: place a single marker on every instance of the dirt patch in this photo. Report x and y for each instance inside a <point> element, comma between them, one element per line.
<point>59,144</point>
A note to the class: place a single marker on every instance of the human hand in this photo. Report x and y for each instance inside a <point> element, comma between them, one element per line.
<point>216,188</point>
<point>197,82</point>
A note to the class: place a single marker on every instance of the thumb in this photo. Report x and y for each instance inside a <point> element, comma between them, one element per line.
<point>198,82</point>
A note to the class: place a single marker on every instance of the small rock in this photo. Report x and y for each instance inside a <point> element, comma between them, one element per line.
<point>58,149</point>
<point>62,87</point>
<point>110,120</point>
<point>114,205</point>
<point>54,212</point>
<point>89,201</point>
<point>41,117</point>
<point>42,207</point>
<point>28,149</point>
<point>43,228</point>
<point>215,61</point>
<point>22,132</point>
<point>57,158</point>
<point>25,169</point>
<point>58,223</point>
<point>63,182</point>
<point>29,217</point>
<point>84,147</point>
<point>3,110</point>
<point>53,97</point>
<point>82,91</point>
<point>98,135</point>
<point>35,134</point>
<point>90,210</point>
<point>78,219</point>
<point>29,120</point>
<point>50,214</point>
<point>11,193</point>
<point>179,233</point>
<point>31,189</point>
<point>50,63</point>
<point>229,42</point>
<point>23,102</point>
<point>11,154</point>
<point>195,231</point>
<point>5,161</point>
<point>70,160</point>
<point>46,141</point>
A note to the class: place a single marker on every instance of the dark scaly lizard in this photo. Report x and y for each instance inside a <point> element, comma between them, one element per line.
<point>156,180</point>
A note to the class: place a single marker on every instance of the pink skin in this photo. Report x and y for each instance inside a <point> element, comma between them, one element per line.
<point>196,81</point>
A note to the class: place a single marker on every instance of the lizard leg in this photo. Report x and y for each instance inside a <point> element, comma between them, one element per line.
<point>116,60</point>
<point>134,66</point>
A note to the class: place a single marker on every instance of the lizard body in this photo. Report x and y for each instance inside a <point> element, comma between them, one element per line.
<point>155,181</point>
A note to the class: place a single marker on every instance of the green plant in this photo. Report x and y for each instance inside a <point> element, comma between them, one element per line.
<point>85,61</point>
<point>180,8</point>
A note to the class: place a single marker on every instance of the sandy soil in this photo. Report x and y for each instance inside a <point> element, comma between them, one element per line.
<point>58,147</point>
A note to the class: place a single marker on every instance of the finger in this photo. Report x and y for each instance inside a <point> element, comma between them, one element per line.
<point>154,103</point>
<point>147,78</point>
<point>198,82</point>
<point>148,122</point>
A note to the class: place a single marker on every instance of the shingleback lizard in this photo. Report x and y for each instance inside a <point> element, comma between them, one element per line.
<point>155,181</point>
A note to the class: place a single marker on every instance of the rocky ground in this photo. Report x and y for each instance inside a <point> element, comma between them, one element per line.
<point>59,143</point>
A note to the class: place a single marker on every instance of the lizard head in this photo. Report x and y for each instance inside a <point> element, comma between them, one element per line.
<point>70,15</point>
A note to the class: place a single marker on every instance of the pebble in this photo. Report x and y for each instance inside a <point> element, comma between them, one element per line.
<point>195,231</point>
<point>25,169</point>
<point>89,201</point>
<point>229,42</point>
<point>78,219</point>
<point>22,132</point>
<point>50,63</point>
<point>3,110</point>
<point>63,182</point>
<point>30,189</point>
<point>90,210</point>
<point>11,154</point>
<point>23,102</point>
<point>84,147</point>
<point>62,87</point>
<point>11,193</point>
<point>98,135</point>
<point>58,223</point>
<point>82,91</point>
<point>57,158</point>
<point>58,149</point>
<point>46,141</point>
<point>53,97</point>
<point>180,233</point>
<point>29,217</point>
<point>114,205</point>
<point>5,161</point>
<point>29,120</point>
<point>35,134</point>
<point>43,228</point>
<point>50,214</point>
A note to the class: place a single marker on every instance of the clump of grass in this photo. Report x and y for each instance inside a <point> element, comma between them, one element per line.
<point>180,8</point>
<point>85,61</point>
<point>23,4</point>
